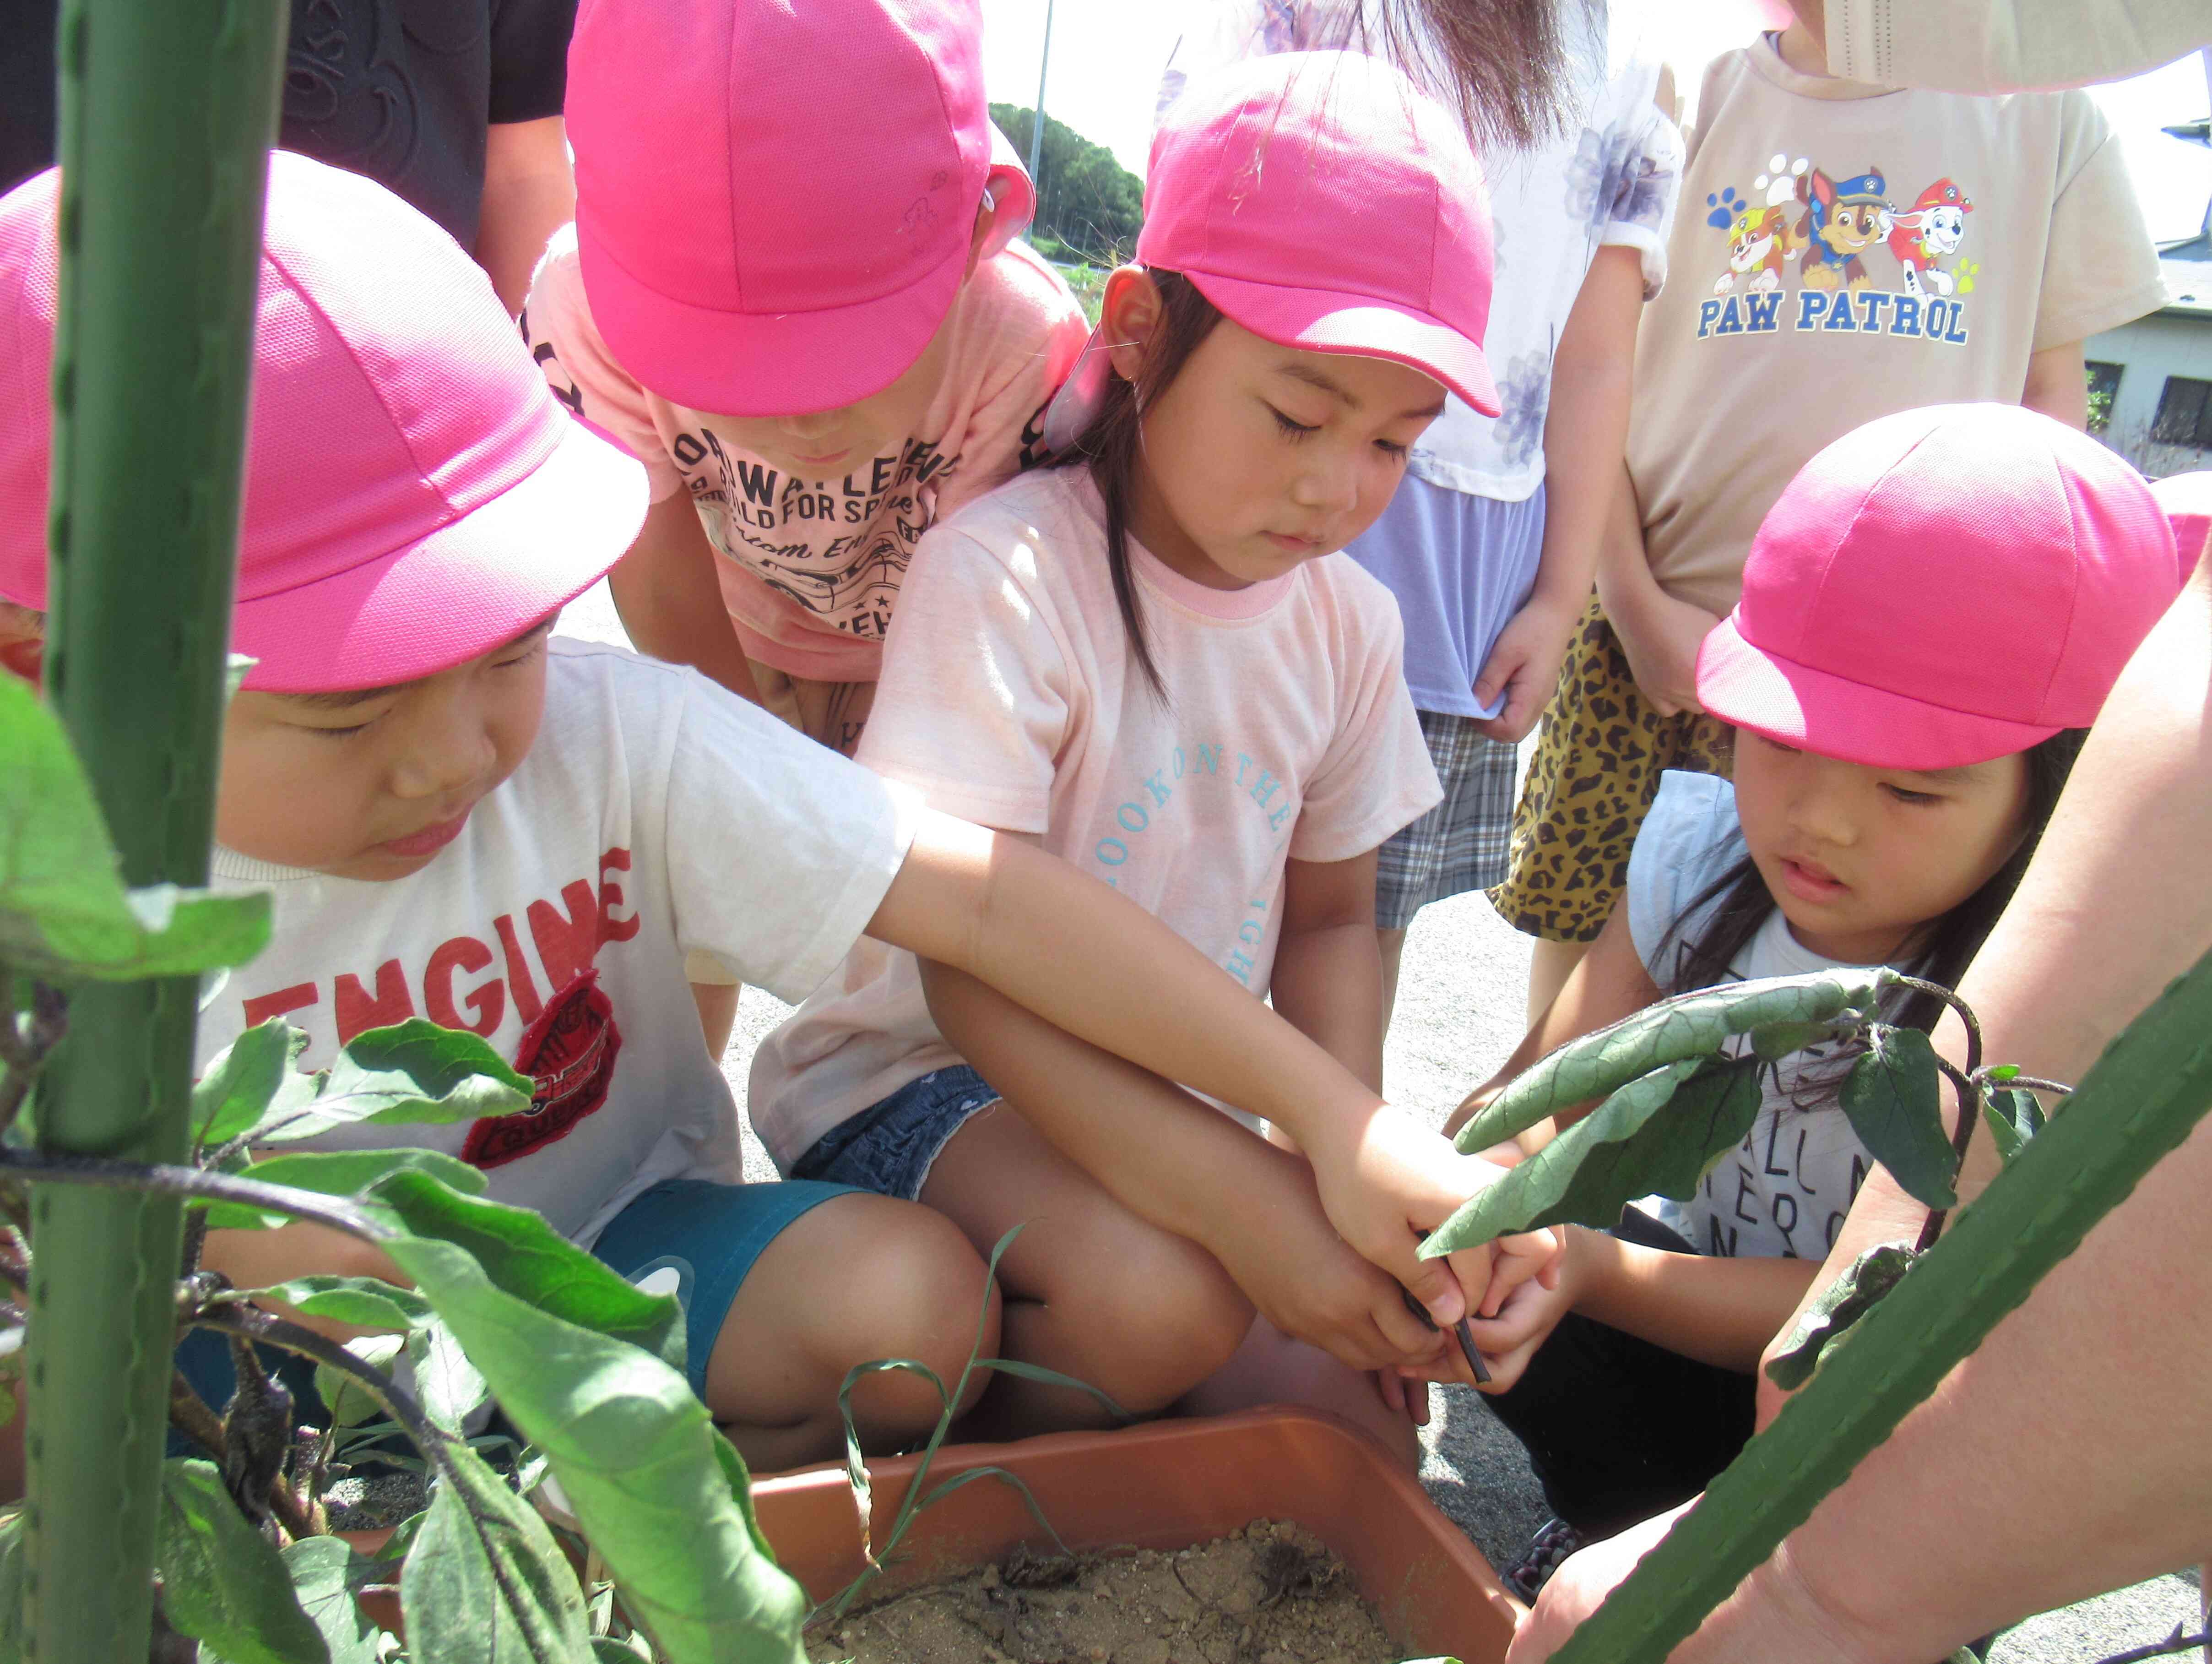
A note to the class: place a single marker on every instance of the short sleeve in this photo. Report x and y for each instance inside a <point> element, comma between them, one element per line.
<point>529,58</point>
<point>2100,269</point>
<point>1690,838</point>
<point>779,850</point>
<point>1375,778</point>
<point>1645,178</point>
<point>556,325</point>
<point>974,699</point>
<point>1028,346</point>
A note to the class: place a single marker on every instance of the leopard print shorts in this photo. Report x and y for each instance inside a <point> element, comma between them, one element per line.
<point>1596,769</point>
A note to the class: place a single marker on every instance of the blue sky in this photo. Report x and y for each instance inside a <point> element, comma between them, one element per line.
<point>1107,55</point>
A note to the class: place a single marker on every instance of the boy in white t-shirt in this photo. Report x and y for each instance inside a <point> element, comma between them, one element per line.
<point>462,821</point>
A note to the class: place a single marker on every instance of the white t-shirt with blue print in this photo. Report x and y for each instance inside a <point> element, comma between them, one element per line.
<point>1783,1193</point>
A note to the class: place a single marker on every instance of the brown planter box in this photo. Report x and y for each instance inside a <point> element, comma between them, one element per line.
<point>1165,1484</point>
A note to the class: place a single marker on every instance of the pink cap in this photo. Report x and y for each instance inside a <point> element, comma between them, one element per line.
<point>1942,586</point>
<point>1321,201</point>
<point>2187,501</point>
<point>774,202</point>
<point>415,494</point>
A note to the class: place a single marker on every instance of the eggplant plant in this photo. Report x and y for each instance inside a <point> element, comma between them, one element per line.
<point>1677,1086</point>
<point>587,1369</point>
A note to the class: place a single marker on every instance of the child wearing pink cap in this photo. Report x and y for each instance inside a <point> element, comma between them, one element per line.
<point>1153,660</point>
<point>793,292</point>
<point>1904,726</point>
<point>461,820</point>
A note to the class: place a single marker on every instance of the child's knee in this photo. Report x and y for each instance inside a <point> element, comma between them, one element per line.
<point>1170,1317</point>
<point>923,1295</point>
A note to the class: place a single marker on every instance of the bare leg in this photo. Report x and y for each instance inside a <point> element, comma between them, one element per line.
<point>1392,943</point>
<point>857,1278</point>
<point>1271,1367</point>
<point>718,1013</point>
<point>1092,1290</point>
<point>1548,968</point>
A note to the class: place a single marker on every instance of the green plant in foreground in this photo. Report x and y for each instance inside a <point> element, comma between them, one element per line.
<point>1674,1100</point>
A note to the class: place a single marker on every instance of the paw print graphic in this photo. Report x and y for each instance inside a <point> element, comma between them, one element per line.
<point>1966,272</point>
<point>1725,207</point>
<point>1779,181</point>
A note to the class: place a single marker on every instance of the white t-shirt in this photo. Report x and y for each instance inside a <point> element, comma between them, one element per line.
<point>1784,1192</point>
<point>1010,697</point>
<point>655,814</point>
<point>1609,179</point>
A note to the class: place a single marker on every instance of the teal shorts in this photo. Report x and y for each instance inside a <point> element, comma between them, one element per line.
<point>708,1236</point>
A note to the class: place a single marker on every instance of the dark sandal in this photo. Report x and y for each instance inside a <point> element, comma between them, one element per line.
<point>1547,1552</point>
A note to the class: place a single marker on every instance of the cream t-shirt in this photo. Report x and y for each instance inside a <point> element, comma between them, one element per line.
<point>1010,697</point>
<point>1959,235</point>
<point>811,569</point>
<point>656,814</point>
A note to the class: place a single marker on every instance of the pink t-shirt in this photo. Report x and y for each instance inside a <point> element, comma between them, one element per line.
<point>811,567</point>
<point>1010,697</point>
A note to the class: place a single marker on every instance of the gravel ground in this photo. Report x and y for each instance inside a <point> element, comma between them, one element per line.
<point>1460,1013</point>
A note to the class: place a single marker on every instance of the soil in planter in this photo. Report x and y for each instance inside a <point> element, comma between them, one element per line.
<point>1267,1595</point>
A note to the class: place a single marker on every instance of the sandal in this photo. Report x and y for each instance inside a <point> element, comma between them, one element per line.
<point>1550,1548</point>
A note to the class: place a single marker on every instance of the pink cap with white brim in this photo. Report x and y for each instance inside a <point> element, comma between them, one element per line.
<point>1322,202</point>
<point>415,495</point>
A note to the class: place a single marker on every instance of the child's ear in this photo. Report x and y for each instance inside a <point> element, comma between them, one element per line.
<point>1130,314</point>
<point>982,239</point>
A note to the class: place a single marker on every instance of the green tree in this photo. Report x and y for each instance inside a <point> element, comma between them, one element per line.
<point>1087,202</point>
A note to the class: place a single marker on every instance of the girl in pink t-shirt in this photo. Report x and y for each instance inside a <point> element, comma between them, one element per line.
<point>1153,661</point>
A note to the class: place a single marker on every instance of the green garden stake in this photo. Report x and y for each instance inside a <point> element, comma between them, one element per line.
<point>2142,1099</point>
<point>166,114</point>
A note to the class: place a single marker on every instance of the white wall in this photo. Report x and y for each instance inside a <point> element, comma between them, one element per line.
<point>2151,348</point>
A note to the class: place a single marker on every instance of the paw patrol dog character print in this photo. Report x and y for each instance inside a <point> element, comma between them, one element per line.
<point>1842,222</point>
<point>1932,228</point>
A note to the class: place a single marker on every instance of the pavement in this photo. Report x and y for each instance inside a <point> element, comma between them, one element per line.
<point>1461,1011</point>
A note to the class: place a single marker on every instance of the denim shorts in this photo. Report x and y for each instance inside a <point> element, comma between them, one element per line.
<point>888,1149</point>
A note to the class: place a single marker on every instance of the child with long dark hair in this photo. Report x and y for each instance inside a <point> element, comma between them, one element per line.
<point>1931,616</point>
<point>1154,661</point>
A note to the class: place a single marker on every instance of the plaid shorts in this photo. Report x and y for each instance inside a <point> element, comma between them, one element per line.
<point>1460,844</point>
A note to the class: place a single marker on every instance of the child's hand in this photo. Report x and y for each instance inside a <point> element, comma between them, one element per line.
<point>1389,1181</point>
<point>1524,1319</point>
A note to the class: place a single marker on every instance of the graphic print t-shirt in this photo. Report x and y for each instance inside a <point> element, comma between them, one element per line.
<point>1843,252</point>
<point>1009,698</point>
<point>1783,1193</point>
<point>811,569</point>
<point>655,814</point>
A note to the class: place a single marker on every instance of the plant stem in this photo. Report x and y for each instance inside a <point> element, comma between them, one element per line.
<point>1937,991</point>
<point>167,1179</point>
<point>1968,1086</point>
<point>2176,1643</point>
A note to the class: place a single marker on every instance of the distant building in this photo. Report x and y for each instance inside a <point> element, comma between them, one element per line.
<point>2150,382</point>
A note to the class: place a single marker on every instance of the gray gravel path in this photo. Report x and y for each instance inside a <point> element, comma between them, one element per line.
<point>1460,1013</point>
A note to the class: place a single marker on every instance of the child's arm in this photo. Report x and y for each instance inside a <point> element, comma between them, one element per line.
<point>1093,963</point>
<point>2058,385</point>
<point>671,602</point>
<point>1717,1310</point>
<point>1328,981</point>
<point>1585,433</point>
<point>1610,983</point>
<point>529,193</point>
<point>1660,634</point>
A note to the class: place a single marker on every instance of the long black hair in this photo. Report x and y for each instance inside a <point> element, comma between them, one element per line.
<point>1939,951</point>
<point>1112,442</point>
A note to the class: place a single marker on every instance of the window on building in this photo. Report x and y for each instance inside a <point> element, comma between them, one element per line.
<point>2184,414</point>
<point>2104,387</point>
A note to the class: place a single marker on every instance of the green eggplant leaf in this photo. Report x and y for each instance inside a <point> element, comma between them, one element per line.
<point>649,1479</point>
<point>361,1302</point>
<point>1623,1149</point>
<point>1894,1101</point>
<point>1687,1026</point>
<point>452,1389</point>
<point>223,1584</point>
<point>523,1256</point>
<point>338,1173</point>
<point>484,1582</point>
<point>348,1402</point>
<point>325,1575</point>
<point>248,1080</point>
<point>64,911</point>
<point>412,1071</point>
<point>1773,1041</point>
<point>2014,1115</point>
<point>11,1587</point>
<point>1841,1304</point>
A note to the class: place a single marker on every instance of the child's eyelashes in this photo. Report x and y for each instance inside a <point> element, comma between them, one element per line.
<point>1292,431</point>
<point>1906,795</point>
<point>1393,449</point>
